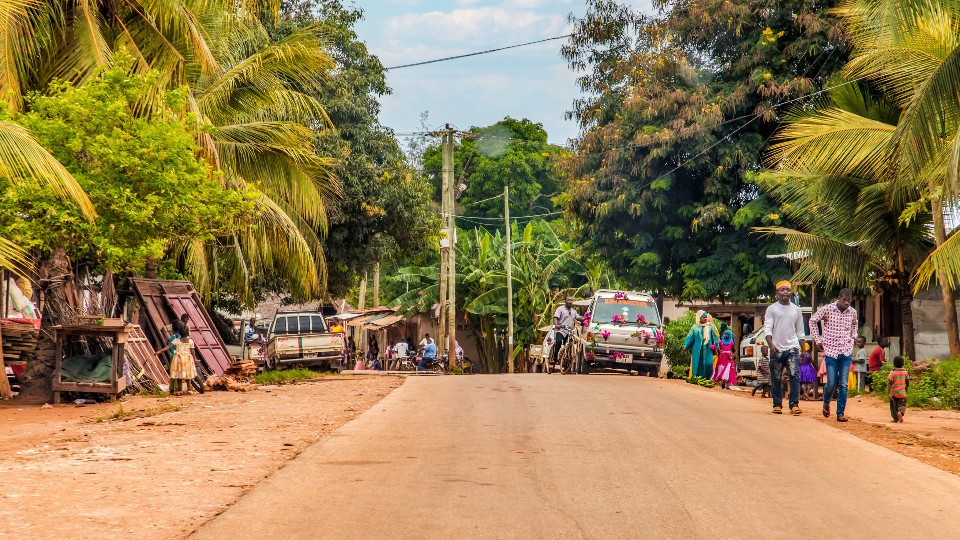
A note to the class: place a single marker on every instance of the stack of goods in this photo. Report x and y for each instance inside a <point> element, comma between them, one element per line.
<point>19,336</point>
<point>228,383</point>
<point>242,369</point>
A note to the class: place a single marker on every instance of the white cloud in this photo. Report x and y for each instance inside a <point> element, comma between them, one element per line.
<point>476,24</point>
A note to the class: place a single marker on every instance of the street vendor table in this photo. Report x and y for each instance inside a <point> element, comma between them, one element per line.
<point>68,336</point>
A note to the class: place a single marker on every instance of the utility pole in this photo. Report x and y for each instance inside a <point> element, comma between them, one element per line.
<point>444,250</point>
<point>452,238</point>
<point>506,214</point>
<point>362,301</point>
<point>376,285</point>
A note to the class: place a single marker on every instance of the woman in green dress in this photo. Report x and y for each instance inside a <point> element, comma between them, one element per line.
<point>702,341</point>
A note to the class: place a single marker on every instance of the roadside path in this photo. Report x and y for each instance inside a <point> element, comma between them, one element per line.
<point>548,456</point>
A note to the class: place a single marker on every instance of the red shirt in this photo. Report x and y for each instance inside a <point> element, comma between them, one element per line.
<point>876,359</point>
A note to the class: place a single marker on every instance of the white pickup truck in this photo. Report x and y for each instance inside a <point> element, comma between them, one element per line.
<point>302,338</point>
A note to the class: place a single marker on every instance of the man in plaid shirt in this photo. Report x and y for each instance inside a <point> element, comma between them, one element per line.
<point>839,332</point>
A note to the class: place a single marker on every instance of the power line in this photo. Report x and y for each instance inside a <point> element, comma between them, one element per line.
<point>484,200</point>
<point>488,51</point>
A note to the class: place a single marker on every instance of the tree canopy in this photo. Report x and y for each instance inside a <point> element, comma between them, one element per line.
<point>511,153</point>
<point>677,109</point>
<point>142,175</point>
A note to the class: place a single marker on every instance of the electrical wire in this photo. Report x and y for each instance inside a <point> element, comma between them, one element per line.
<point>483,201</point>
<point>478,53</point>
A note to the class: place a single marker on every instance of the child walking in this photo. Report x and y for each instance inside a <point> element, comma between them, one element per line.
<point>763,373</point>
<point>725,372</point>
<point>808,375</point>
<point>898,382</point>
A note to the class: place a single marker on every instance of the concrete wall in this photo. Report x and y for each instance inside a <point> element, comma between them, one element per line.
<point>930,328</point>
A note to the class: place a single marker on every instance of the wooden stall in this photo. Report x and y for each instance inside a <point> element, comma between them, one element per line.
<point>70,339</point>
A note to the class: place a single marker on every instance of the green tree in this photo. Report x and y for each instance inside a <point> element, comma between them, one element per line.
<point>251,94</point>
<point>677,109</point>
<point>141,174</point>
<point>511,153</point>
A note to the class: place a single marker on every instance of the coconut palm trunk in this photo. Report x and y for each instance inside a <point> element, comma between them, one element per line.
<point>949,304</point>
<point>908,347</point>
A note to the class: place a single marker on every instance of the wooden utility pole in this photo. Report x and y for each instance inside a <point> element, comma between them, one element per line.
<point>442,325</point>
<point>452,238</point>
<point>506,214</point>
<point>376,285</point>
<point>362,301</point>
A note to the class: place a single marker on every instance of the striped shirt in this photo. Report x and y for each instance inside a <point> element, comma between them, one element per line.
<point>898,383</point>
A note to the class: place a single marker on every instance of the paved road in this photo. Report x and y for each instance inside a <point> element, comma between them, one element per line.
<point>553,456</point>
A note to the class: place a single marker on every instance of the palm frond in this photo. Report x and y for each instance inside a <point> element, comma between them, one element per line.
<point>829,261</point>
<point>23,159</point>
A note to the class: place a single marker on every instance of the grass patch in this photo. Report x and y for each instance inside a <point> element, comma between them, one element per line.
<point>121,414</point>
<point>287,376</point>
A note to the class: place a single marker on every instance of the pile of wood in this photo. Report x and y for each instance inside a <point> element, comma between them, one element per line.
<point>242,369</point>
<point>18,337</point>
<point>228,383</point>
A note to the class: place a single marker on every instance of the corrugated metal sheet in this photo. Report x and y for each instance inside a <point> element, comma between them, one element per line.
<point>139,349</point>
<point>166,300</point>
<point>384,322</point>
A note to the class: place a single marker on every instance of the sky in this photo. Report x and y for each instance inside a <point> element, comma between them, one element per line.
<point>529,82</point>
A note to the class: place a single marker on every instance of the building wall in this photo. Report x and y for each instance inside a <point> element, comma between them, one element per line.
<point>930,327</point>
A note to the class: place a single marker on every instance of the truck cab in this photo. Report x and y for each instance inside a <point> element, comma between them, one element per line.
<point>624,332</point>
<point>303,339</point>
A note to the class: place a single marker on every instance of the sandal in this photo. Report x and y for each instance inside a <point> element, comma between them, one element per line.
<point>841,418</point>
<point>795,411</point>
<point>778,410</point>
<point>826,410</point>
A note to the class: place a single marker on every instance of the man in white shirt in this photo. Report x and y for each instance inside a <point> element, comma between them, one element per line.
<point>400,349</point>
<point>563,320</point>
<point>783,325</point>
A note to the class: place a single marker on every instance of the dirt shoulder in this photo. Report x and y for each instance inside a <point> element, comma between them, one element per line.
<point>165,465</point>
<point>930,436</point>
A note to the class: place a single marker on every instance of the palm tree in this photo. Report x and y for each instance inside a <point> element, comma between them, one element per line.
<point>263,123</point>
<point>912,49</point>
<point>829,169</point>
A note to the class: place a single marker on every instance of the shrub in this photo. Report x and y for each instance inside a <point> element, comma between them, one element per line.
<point>674,335</point>
<point>936,387</point>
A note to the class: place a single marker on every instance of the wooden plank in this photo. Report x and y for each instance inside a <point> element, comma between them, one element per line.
<point>5,392</point>
<point>165,300</point>
<point>210,348</point>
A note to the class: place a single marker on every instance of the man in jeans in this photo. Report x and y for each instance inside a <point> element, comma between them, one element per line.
<point>783,325</point>
<point>563,321</point>
<point>839,333</point>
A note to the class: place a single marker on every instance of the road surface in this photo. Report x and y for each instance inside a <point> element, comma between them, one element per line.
<point>563,456</point>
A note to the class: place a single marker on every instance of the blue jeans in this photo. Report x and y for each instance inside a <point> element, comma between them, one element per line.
<point>789,359</point>
<point>422,364</point>
<point>838,369</point>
